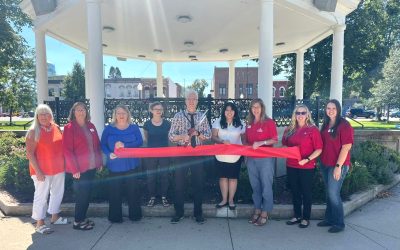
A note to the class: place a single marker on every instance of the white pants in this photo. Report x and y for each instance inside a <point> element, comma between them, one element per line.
<point>53,185</point>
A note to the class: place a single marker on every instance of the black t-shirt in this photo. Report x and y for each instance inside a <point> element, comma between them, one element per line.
<point>157,135</point>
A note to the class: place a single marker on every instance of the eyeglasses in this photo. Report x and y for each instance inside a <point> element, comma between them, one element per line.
<point>301,113</point>
<point>158,109</point>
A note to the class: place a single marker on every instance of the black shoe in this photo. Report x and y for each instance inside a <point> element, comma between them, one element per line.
<point>293,221</point>
<point>221,206</point>
<point>335,229</point>
<point>324,223</point>
<point>304,224</point>
<point>232,207</point>
<point>200,219</point>
<point>176,219</point>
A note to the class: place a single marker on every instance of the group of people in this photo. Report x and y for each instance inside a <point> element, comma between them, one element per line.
<point>79,151</point>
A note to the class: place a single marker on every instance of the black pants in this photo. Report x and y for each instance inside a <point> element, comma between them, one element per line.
<point>118,183</point>
<point>157,167</point>
<point>82,189</point>
<point>300,183</point>
<point>182,166</point>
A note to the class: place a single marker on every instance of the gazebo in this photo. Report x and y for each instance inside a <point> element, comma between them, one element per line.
<point>189,31</point>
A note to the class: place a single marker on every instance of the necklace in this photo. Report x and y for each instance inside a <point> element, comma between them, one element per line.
<point>46,128</point>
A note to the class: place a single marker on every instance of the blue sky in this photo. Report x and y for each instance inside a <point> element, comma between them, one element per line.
<point>64,56</point>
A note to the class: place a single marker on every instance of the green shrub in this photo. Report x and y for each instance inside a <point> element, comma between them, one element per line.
<point>380,161</point>
<point>356,180</point>
<point>318,190</point>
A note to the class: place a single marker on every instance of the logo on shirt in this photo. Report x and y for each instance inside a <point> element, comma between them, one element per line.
<point>259,130</point>
<point>91,130</point>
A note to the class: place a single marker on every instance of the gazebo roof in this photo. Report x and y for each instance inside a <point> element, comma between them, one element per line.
<point>158,29</point>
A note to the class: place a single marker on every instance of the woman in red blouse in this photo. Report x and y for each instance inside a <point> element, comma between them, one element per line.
<point>260,132</point>
<point>302,133</point>
<point>337,136</point>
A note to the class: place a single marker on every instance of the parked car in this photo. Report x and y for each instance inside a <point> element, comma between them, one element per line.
<point>357,112</point>
<point>395,114</point>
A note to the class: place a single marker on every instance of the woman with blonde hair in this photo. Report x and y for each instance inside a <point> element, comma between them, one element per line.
<point>82,154</point>
<point>302,133</point>
<point>121,133</point>
<point>46,167</point>
<point>261,132</point>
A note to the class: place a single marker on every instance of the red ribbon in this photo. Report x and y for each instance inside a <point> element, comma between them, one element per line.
<point>208,150</point>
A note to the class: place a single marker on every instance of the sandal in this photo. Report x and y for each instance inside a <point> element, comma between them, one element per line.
<point>151,202</point>
<point>43,229</point>
<point>84,226</point>
<point>254,218</point>
<point>293,221</point>
<point>261,221</point>
<point>164,201</point>
<point>60,221</point>
<point>304,224</point>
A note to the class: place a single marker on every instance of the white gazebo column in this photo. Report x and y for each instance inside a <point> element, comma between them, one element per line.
<point>41,66</point>
<point>231,80</point>
<point>299,87</point>
<point>266,60</point>
<point>95,64</point>
<point>337,63</point>
<point>160,84</point>
<point>86,76</point>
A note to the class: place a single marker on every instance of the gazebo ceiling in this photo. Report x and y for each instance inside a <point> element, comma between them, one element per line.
<point>183,30</point>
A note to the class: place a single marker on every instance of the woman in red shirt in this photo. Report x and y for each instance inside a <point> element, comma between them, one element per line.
<point>337,136</point>
<point>261,132</point>
<point>81,146</point>
<point>302,133</point>
<point>46,167</point>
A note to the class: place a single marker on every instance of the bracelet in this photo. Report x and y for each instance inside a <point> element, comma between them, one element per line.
<point>308,158</point>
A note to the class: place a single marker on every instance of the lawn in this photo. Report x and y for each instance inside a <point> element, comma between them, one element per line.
<point>383,125</point>
<point>17,125</point>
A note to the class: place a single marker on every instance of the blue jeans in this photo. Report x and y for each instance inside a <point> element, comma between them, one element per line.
<point>334,214</point>
<point>261,175</point>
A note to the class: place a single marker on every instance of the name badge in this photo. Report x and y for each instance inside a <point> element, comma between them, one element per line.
<point>259,130</point>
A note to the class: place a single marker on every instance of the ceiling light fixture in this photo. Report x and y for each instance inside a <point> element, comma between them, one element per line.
<point>142,56</point>
<point>223,51</point>
<point>280,44</point>
<point>188,43</point>
<point>192,56</point>
<point>108,29</point>
<point>157,51</point>
<point>184,18</point>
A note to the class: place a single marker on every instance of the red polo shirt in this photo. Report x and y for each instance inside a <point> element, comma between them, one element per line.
<point>332,146</point>
<point>261,131</point>
<point>308,139</point>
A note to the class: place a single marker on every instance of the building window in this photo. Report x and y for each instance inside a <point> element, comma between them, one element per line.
<point>146,93</point>
<point>273,91</point>
<point>222,90</point>
<point>51,91</point>
<point>155,91</point>
<point>250,89</point>
<point>241,89</point>
<point>282,92</point>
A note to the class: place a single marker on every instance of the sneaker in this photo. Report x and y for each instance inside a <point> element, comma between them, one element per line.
<point>324,223</point>
<point>151,202</point>
<point>176,219</point>
<point>200,219</point>
<point>304,224</point>
<point>335,229</point>
<point>164,201</point>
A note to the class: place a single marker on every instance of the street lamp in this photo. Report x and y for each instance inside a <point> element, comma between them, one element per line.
<point>140,88</point>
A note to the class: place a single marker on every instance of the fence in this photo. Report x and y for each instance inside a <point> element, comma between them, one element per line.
<point>139,108</point>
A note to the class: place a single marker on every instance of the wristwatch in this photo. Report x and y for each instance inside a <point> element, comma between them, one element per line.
<point>337,165</point>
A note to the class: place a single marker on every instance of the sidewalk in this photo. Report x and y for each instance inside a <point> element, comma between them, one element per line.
<point>374,226</point>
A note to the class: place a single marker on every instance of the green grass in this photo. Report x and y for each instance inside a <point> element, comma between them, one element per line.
<point>17,125</point>
<point>382,125</point>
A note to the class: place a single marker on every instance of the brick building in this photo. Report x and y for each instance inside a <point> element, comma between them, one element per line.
<point>246,83</point>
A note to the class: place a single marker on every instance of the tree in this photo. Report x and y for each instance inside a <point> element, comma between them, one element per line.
<point>199,85</point>
<point>386,92</point>
<point>16,59</point>
<point>74,84</point>
<point>114,72</point>
<point>371,31</point>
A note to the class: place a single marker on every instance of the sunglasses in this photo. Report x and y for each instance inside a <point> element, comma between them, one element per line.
<point>301,113</point>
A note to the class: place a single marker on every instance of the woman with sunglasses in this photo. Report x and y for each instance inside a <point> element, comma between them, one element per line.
<point>338,137</point>
<point>303,133</point>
